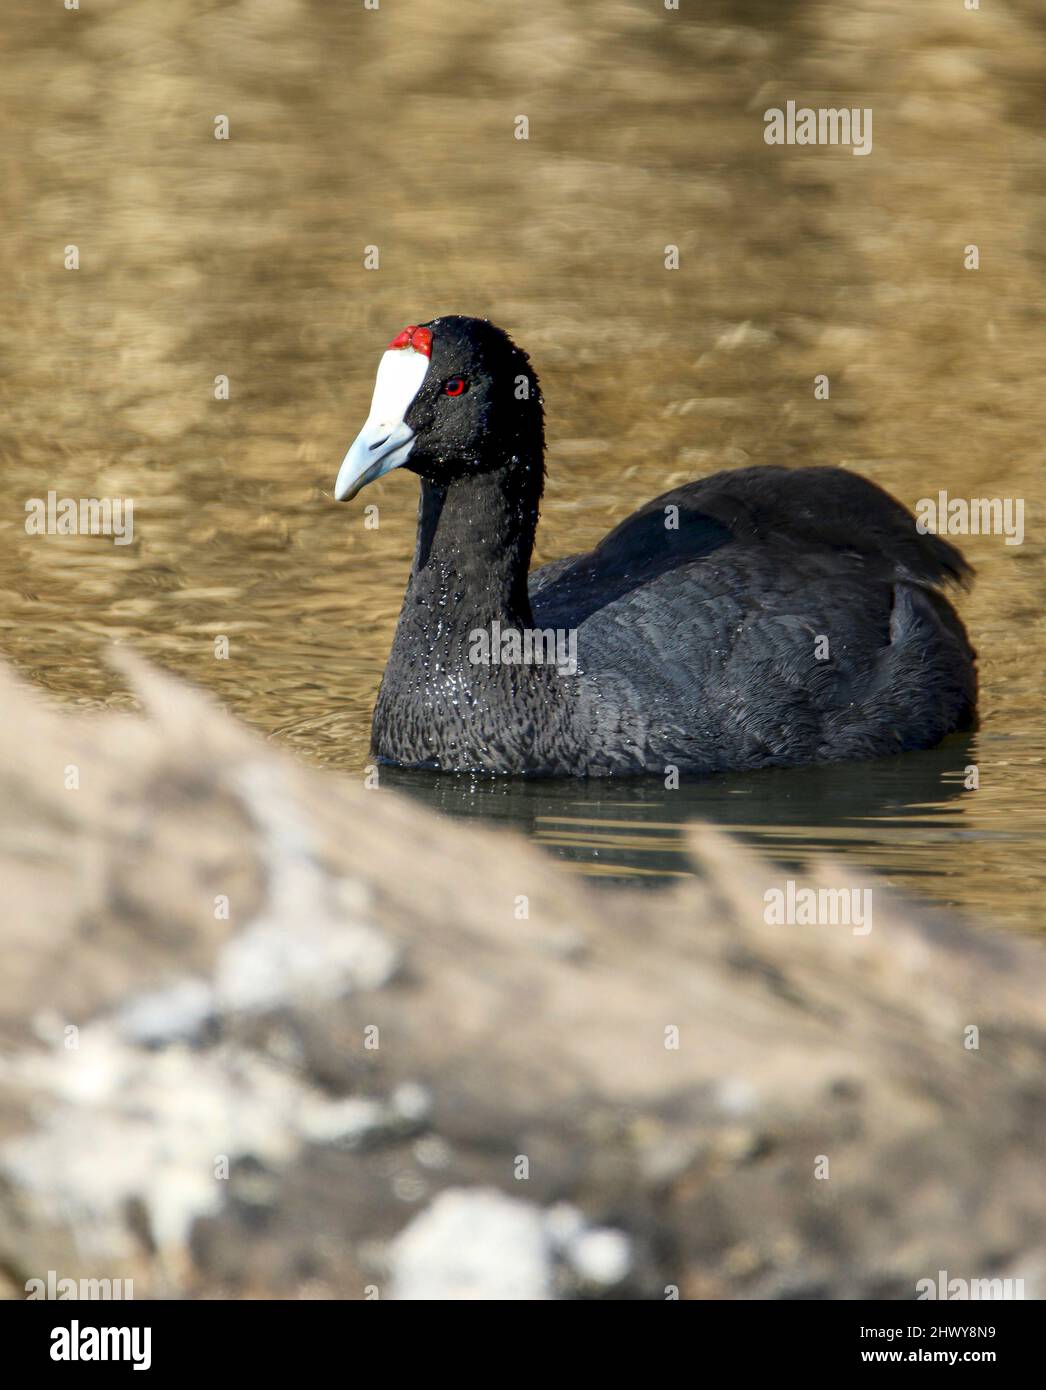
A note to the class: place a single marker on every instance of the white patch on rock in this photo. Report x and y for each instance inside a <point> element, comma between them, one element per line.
<point>478,1243</point>
<point>175,1014</point>
<point>133,1114</point>
<point>473,1244</point>
<point>351,1121</point>
<point>119,1123</point>
<point>736,1096</point>
<point>602,1257</point>
<point>116,1123</point>
<point>301,946</point>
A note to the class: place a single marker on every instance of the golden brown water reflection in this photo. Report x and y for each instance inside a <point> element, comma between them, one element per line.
<point>394,128</point>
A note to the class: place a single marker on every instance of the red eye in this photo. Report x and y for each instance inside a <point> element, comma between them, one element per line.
<point>454,386</point>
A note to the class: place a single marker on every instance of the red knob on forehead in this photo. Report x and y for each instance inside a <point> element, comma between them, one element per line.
<point>420,339</point>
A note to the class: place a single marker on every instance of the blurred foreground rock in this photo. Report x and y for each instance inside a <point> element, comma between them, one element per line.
<point>420,1060</point>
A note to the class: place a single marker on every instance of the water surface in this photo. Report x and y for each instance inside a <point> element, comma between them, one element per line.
<point>353,128</point>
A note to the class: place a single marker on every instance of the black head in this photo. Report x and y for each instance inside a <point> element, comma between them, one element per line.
<point>454,396</point>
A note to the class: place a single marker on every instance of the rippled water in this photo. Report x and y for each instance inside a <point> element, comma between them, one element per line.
<point>351,128</point>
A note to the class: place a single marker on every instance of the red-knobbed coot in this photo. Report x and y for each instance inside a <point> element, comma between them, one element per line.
<point>764,617</point>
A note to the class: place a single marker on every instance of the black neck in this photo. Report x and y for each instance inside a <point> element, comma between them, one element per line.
<point>473,551</point>
<point>440,705</point>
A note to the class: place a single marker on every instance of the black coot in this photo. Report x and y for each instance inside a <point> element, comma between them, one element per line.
<point>759,618</point>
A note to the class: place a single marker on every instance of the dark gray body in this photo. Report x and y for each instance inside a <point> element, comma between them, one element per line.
<point>698,644</point>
